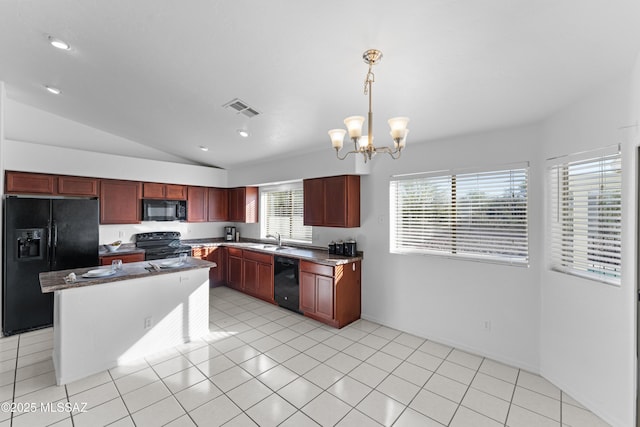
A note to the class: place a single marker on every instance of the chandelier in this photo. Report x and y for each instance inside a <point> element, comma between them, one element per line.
<point>364,144</point>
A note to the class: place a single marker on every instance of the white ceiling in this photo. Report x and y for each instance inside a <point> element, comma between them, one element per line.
<point>158,71</point>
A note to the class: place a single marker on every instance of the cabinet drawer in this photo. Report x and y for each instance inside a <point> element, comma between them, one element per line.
<point>235,252</point>
<point>126,258</point>
<point>259,257</point>
<point>312,267</point>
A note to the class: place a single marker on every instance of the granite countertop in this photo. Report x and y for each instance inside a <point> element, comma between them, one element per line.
<point>125,248</point>
<point>54,280</point>
<point>310,253</point>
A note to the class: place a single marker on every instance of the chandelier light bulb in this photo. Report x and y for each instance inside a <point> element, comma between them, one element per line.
<point>337,137</point>
<point>354,126</point>
<point>398,126</point>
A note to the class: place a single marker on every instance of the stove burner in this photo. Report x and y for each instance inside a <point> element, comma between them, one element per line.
<point>161,245</point>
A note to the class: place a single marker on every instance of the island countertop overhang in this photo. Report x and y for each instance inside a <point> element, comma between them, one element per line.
<point>52,281</point>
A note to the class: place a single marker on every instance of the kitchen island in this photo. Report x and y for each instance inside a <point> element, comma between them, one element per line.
<point>103,322</point>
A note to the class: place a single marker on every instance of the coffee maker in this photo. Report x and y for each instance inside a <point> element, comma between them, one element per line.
<point>229,233</point>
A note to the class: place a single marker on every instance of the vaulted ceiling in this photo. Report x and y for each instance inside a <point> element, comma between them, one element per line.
<point>159,72</point>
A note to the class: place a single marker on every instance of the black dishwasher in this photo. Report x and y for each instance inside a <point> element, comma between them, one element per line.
<point>286,286</point>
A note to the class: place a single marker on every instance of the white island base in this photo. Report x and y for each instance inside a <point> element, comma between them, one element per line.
<point>102,326</point>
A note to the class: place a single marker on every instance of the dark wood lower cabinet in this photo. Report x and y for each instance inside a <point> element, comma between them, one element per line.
<point>217,254</point>
<point>234,269</point>
<point>257,269</point>
<point>330,294</point>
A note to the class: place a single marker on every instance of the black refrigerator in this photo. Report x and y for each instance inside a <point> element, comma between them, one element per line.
<point>42,235</point>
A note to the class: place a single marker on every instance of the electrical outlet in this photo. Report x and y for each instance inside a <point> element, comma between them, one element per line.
<point>120,234</point>
<point>148,322</point>
<point>486,325</point>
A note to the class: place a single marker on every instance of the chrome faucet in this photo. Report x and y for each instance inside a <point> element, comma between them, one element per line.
<point>277,237</point>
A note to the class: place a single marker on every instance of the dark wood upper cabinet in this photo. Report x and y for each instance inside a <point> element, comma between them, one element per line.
<point>52,185</point>
<point>154,190</point>
<point>332,201</point>
<point>175,192</point>
<point>313,201</point>
<point>197,204</point>
<point>77,186</point>
<point>243,204</point>
<point>120,202</point>
<point>30,183</point>
<point>218,204</point>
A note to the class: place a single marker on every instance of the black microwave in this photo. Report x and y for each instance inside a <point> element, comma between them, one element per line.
<point>164,210</point>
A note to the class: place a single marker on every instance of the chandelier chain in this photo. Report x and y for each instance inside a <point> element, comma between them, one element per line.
<point>370,78</point>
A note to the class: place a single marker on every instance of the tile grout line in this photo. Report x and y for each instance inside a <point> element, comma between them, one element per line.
<point>15,377</point>
<point>513,393</point>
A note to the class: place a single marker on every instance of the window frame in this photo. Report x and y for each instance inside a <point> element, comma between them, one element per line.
<point>283,187</point>
<point>450,237</point>
<point>561,229</point>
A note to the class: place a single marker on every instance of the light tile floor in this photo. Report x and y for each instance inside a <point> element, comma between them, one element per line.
<point>265,365</point>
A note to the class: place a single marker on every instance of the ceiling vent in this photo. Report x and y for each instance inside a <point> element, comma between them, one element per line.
<point>241,107</point>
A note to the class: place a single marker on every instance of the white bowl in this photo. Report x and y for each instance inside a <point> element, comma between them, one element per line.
<point>112,248</point>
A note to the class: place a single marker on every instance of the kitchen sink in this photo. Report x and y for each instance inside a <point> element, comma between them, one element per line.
<point>272,247</point>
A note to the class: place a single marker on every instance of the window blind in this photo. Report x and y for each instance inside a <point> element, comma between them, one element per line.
<point>480,215</point>
<point>586,215</point>
<point>283,209</point>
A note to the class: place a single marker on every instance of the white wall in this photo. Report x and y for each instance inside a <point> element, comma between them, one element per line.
<point>29,124</point>
<point>588,328</point>
<point>30,157</point>
<point>447,299</point>
<point>442,299</point>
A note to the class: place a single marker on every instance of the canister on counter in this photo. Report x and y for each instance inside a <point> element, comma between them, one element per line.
<point>332,247</point>
<point>350,248</point>
<point>339,247</point>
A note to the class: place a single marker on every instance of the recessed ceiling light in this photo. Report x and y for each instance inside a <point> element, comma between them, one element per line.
<point>60,44</point>
<point>53,90</point>
<point>203,148</point>
<point>243,133</point>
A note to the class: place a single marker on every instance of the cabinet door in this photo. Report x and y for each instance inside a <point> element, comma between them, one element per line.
<point>243,204</point>
<point>250,205</point>
<point>217,274</point>
<point>119,202</point>
<point>152,190</point>
<point>77,186</point>
<point>307,292</point>
<point>175,192</point>
<point>197,204</point>
<point>218,204</point>
<point>234,272</point>
<point>236,204</point>
<point>265,281</point>
<point>313,201</point>
<point>324,297</point>
<point>250,279</point>
<point>30,183</point>
<point>335,204</point>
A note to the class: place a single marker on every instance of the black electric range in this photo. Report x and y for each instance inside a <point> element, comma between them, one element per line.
<point>161,245</point>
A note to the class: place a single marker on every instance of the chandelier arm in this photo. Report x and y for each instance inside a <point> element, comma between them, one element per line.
<point>345,154</point>
<point>398,151</point>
